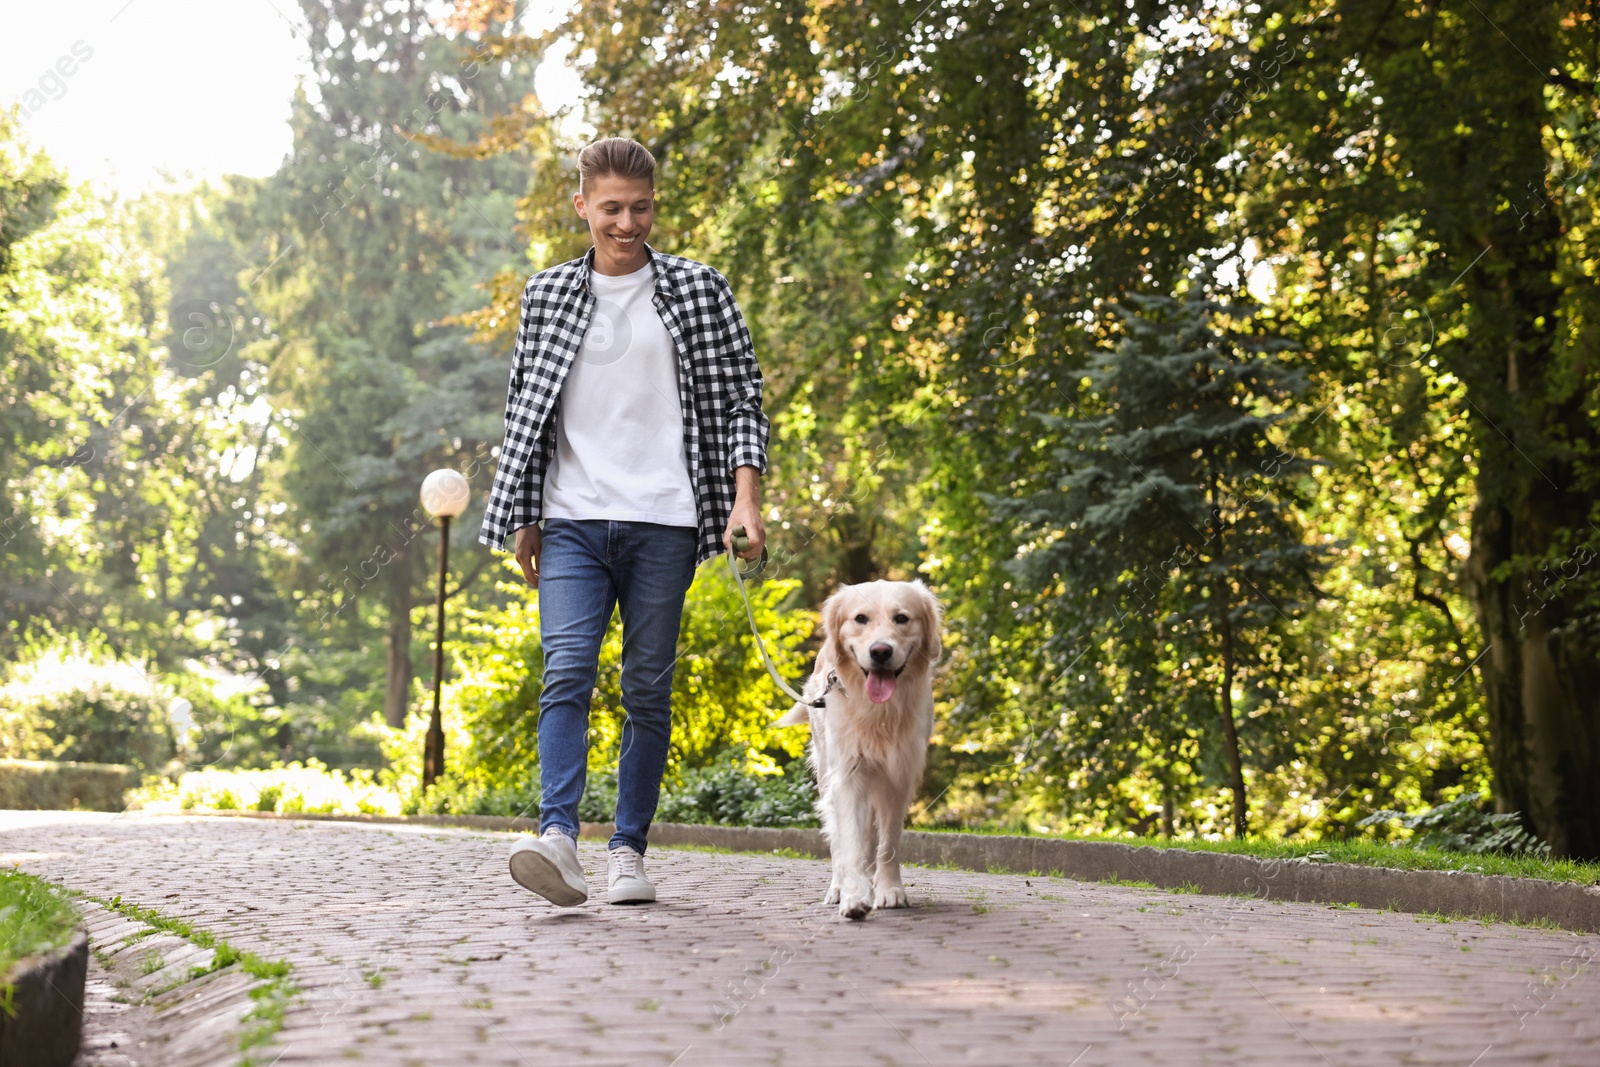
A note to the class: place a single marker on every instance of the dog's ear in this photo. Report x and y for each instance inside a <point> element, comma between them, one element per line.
<point>932,621</point>
<point>833,615</point>
<point>795,716</point>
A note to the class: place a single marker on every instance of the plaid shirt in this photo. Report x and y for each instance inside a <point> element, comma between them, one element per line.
<point>719,385</point>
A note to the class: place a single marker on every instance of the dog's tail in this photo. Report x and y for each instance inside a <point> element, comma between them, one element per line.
<point>795,716</point>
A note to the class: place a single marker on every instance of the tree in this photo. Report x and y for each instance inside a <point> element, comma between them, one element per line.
<point>100,449</point>
<point>1177,501</point>
<point>1416,188</point>
<point>1397,106</point>
<point>368,241</point>
<point>136,511</point>
<point>31,189</point>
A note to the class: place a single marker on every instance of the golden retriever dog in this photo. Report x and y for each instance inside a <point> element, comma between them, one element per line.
<point>870,704</point>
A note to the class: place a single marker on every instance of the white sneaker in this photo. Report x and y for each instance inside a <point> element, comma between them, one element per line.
<point>628,884</point>
<point>549,866</point>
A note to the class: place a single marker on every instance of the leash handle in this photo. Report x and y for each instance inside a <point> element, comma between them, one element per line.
<point>749,570</point>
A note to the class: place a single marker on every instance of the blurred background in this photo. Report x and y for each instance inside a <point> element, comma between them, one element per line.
<point>1227,369</point>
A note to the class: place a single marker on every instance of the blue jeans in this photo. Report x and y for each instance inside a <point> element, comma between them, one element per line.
<point>587,566</point>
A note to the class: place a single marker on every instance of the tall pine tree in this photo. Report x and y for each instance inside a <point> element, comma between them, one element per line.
<point>1173,522</point>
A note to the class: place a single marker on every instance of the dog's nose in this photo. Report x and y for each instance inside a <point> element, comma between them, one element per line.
<point>881,652</point>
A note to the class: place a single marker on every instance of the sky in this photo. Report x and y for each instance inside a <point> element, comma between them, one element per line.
<point>125,92</point>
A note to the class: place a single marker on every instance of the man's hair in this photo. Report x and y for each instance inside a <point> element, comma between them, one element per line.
<point>617,156</point>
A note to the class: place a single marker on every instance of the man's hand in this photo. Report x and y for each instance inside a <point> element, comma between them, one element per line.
<point>528,553</point>
<point>747,513</point>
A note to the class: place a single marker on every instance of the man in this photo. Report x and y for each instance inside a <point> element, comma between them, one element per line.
<point>634,432</point>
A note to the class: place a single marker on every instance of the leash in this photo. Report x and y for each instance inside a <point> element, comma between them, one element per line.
<point>740,575</point>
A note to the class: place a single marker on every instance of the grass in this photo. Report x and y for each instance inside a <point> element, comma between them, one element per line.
<point>1460,917</point>
<point>34,918</point>
<point>1361,852</point>
<point>1131,883</point>
<point>273,987</point>
<point>781,853</point>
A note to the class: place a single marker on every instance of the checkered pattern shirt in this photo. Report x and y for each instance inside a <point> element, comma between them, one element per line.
<point>719,385</point>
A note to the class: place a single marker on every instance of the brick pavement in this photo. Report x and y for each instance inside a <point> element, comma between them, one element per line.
<point>411,945</point>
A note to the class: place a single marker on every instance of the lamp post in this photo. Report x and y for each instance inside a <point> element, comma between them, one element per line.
<point>444,494</point>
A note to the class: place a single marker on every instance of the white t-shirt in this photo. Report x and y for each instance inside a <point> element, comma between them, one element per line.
<point>619,419</point>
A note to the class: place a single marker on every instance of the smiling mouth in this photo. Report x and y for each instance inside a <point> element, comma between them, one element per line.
<point>881,683</point>
<point>625,240</point>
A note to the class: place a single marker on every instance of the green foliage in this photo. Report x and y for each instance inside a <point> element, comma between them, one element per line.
<point>133,443</point>
<point>30,189</point>
<point>310,788</point>
<point>233,722</point>
<point>599,803</point>
<point>42,785</point>
<point>34,917</point>
<point>721,695</point>
<point>729,792</point>
<point>74,352</point>
<point>1169,542</point>
<point>75,703</point>
<point>740,787</point>
<point>453,796</point>
<point>1362,851</point>
<point>371,385</point>
<point>1463,826</point>
<point>931,222</point>
<point>1312,156</point>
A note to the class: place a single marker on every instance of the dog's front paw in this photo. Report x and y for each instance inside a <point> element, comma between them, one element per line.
<point>855,898</point>
<point>890,896</point>
<point>833,894</point>
<point>854,907</point>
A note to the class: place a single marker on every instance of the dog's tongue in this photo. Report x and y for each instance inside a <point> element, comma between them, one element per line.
<point>880,686</point>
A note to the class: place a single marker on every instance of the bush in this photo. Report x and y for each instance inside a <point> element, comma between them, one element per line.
<point>451,796</point>
<point>599,803</point>
<point>309,788</point>
<point>42,785</point>
<point>1461,826</point>
<point>72,703</point>
<point>232,723</point>
<point>722,697</point>
<point>742,789</point>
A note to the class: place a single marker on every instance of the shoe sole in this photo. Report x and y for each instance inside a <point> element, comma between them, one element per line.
<point>535,872</point>
<point>631,896</point>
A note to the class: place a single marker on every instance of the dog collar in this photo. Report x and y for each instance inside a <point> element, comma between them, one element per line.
<point>822,700</point>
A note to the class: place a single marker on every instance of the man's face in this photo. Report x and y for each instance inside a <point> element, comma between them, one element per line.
<point>619,212</point>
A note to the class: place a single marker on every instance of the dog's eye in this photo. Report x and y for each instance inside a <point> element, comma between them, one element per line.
<point>861,618</point>
<point>902,618</point>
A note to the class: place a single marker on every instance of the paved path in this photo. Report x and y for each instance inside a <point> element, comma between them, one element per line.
<point>411,945</point>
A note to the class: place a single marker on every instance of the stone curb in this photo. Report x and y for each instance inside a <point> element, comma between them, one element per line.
<point>187,1021</point>
<point>1568,905</point>
<point>47,997</point>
